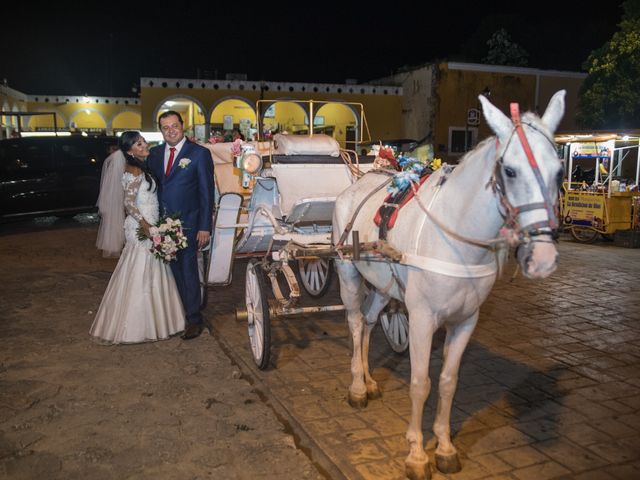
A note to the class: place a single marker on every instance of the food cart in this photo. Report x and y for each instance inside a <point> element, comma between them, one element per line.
<point>600,195</point>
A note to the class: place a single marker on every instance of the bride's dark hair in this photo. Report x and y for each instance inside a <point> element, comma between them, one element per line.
<point>126,142</point>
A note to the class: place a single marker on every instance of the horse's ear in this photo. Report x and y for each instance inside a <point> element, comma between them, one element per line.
<point>498,121</point>
<point>555,111</point>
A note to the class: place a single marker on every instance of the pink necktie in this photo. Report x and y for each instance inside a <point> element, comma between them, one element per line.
<point>172,152</point>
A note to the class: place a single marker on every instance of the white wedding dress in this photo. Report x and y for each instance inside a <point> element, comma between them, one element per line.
<point>141,303</point>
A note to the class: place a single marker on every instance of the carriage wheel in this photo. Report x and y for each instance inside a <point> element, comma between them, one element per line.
<point>584,234</point>
<point>395,325</point>
<point>259,323</point>
<point>315,275</point>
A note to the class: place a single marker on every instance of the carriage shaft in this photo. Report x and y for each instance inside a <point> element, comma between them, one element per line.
<point>282,311</point>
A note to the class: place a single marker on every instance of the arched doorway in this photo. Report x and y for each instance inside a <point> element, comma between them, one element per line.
<point>232,113</point>
<point>340,122</point>
<point>126,121</point>
<point>284,116</point>
<point>88,120</point>
<point>191,111</point>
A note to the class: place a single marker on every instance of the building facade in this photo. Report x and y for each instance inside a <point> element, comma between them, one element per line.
<point>440,101</point>
<point>436,103</point>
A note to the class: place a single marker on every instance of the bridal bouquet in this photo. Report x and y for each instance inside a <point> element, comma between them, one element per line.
<point>167,237</point>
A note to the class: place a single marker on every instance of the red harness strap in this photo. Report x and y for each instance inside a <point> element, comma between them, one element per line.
<point>548,204</point>
<point>393,217</point>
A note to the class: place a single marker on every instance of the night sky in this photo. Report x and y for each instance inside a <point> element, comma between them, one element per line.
<point>56,48</point>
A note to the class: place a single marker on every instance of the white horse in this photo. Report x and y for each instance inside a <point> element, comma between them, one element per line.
<point>444,262</point>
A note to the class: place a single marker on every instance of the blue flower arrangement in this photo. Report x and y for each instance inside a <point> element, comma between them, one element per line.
<point>411,171</point>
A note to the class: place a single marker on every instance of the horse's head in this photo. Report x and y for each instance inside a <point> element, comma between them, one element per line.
<point>527,177</point>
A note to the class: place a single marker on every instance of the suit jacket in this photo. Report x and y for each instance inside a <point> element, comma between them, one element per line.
<point>188,189</point>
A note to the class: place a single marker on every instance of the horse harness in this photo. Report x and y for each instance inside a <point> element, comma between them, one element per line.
<point>519,235</point>
<point>387,214</point>
<point>510,214</point>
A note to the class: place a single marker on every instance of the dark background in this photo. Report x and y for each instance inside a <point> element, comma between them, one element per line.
<point>104,48</point>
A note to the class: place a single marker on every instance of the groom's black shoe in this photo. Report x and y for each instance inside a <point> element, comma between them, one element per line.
<point>193,330</point>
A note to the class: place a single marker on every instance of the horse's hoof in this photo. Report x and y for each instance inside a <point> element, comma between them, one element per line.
<point>357,401</point>
<point>374,393</point>
<point>417,470</point>
<point>448,463</point>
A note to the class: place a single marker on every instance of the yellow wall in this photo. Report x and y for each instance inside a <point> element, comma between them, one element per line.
<point>10,103</point>
<point>89,120</point>
<point>340,117</point>
<point>125,116</point>
<point>290,117</point>
<point>457,92</point>
<point>45,122</point>
<point>127,121</point>
<point>383,112</point>
<point>237,108</point>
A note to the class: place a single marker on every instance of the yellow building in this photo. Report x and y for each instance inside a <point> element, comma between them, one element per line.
<point>209,106</point>
<point>85,113</point>
<point>11,102</point>
<point>440,101</point>
<point>435,103</point>
<point>72,113</point>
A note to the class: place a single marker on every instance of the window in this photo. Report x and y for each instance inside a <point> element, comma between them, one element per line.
<point>20,157</point>
<point>73,153</point>
<point>461,139</point>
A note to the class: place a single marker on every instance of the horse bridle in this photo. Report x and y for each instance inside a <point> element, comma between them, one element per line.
<point>527,232</point>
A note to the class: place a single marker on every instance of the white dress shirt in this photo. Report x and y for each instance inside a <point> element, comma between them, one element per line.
<point>167,152</point>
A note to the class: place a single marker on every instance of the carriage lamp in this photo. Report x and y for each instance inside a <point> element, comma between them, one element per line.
<point>249,162</point>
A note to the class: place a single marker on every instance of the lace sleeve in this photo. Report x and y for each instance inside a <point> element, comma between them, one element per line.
<point>130,195</point>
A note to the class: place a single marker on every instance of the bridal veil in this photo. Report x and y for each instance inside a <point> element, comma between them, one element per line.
<point>111,206</point>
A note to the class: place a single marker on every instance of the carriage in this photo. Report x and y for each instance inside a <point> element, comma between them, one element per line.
<point>441,260</point>
<point>275,207</point>
<point>600,195</point>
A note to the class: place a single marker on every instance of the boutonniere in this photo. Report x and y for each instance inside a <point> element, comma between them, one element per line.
<point>184,163</point>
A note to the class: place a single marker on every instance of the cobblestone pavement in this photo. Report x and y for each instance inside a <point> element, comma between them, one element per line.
<point>549,385</point>
<point>74,410</point>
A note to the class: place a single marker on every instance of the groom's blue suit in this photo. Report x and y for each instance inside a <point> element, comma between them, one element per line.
<point>187,190</point>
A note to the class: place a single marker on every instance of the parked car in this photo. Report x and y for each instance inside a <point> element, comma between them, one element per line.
<point>51,175</point>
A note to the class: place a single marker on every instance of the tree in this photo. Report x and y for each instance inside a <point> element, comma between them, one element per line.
<point>610,95</point>
<point>504,51</point>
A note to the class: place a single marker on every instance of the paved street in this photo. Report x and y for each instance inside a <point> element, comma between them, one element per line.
<point>72,409</point>
<point>549,386</point>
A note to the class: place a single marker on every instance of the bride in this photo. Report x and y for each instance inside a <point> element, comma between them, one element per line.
<point>141,303</point>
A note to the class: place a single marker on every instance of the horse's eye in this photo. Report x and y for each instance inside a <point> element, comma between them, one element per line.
<point>510,172</point>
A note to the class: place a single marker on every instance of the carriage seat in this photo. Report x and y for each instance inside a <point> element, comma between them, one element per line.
<point>317,179</point>
<point>226,175</point>
<point>319,144</point>
<point>317,159</point>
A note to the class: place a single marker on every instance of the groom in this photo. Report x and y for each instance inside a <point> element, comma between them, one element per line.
<point>185,176</point>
